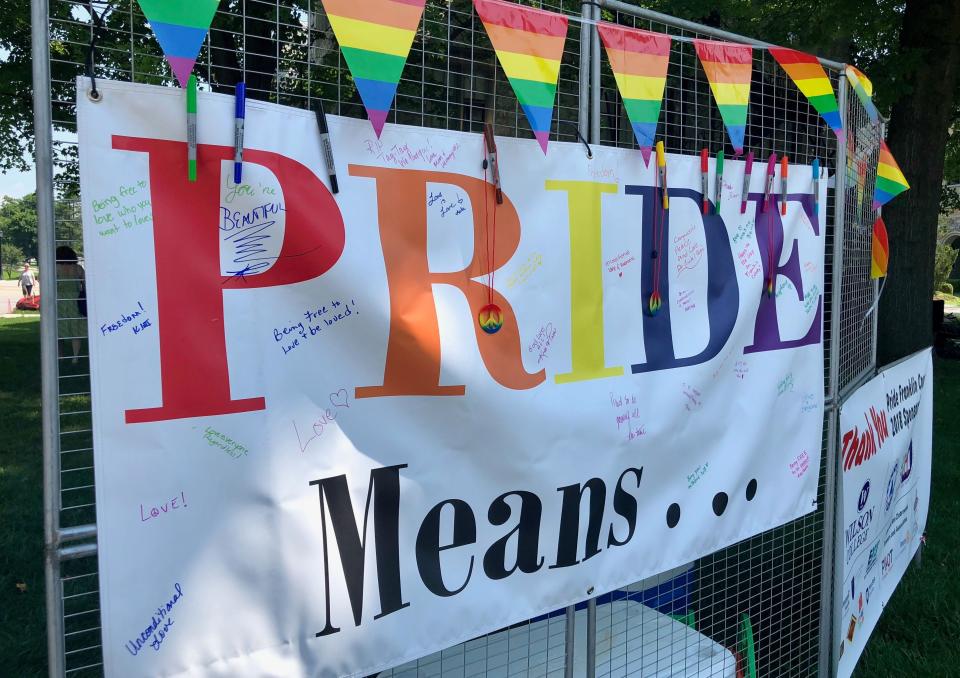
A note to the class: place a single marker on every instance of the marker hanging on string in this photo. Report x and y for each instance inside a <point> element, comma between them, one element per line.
<point>662,173</point>
<point>240,112</point>
<point>783,185</point>
<point>326,146</point>
<point>705,178</point>
<point>192,128</point>
<point>747,170</point>
<point>816,186</point>
<point>719,181</point>
<point>768,185</point>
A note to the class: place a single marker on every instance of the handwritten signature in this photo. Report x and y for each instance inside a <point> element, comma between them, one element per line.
<point>338,400</point>
<point>159,626</point>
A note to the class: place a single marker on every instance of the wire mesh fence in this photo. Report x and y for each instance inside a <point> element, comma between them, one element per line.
<point>761,598</point>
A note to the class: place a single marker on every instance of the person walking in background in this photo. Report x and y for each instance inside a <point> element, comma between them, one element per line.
<point>71,298</point>
<point>27,281</point>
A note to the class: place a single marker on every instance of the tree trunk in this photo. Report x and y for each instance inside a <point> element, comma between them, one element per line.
<point>919,124</point>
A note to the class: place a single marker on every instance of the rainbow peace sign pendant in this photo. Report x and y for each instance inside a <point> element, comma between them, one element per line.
<point>490,318</point>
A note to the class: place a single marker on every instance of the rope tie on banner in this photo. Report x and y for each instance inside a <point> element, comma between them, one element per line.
<point>96,21</point>
<point>576,130</point>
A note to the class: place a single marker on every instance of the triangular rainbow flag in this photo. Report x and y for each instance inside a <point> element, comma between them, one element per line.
<point>881,250</point>
<point>864,89</point>
<point>529,44</point>
<point>639,60</point>
<point>375,37</point>
<point>890,180</point>
<point>810,78</point>
<point>729,68</point>
<point>181,27</point>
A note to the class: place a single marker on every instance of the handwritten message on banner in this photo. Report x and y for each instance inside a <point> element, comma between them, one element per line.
<point>312,461</point>
<point>886,452</point>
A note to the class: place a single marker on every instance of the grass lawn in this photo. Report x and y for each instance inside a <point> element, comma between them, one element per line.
<point>919,631</point>
<point>22,617</point>
<point>917,635</point>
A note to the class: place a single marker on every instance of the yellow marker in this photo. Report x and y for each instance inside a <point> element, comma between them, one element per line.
<point>662,172</point>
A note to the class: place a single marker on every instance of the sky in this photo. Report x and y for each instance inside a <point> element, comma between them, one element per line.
<point>17,184</point>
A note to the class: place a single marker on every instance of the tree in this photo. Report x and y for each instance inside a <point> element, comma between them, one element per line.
<point>18,223</point>
<point>918,136</point>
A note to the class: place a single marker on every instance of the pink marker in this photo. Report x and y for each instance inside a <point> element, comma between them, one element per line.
<point>748,169</point>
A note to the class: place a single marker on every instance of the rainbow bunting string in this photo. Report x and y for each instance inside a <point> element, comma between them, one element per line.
<point>639,60</point>
<point>864,89</point>
<point>810,78</point>
<point>375,37</point>
<point>890,180</point>
<point>881,250</point>
<point>181,27</point>
<point>729,68</point>
<point>529,45</point>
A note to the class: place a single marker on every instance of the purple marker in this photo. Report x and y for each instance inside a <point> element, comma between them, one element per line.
<point>240,97</point>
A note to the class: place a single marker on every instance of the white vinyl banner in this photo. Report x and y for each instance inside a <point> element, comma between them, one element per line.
<point>312,460</point>
<point>886,452</point>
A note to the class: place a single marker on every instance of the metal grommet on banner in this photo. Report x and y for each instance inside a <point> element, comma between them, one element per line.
<point>96,25</point>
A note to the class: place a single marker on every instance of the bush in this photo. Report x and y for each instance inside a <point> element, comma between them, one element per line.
<point>946,288</point>
<point>943,264</point>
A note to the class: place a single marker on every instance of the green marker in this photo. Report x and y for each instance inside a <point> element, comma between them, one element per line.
<point>719,180</point>
<point>192,128</point>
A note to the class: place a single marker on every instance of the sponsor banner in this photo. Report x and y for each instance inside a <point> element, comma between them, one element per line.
<point>886,438</point>
<point>312,458</point>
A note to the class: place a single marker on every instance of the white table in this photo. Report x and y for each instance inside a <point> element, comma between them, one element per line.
<point>632,640</point>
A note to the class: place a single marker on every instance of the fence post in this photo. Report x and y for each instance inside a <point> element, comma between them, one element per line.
<point>831,494</point>
<point>46,240</point>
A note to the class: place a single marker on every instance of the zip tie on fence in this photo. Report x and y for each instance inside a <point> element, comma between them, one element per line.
<point>97,25</point>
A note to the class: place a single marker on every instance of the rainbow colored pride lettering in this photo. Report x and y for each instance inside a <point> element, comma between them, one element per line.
<point>810,78</point>
<point>529,45</point>
<point>639,60</point>
<point>181,27</point>
<point>375,37</point>
<point>890,180</point>
<point>729,68</point>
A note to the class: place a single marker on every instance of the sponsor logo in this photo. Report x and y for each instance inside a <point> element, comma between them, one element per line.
<point>870,588</point>
<point>864,495</point>
<point>891,487</point>
<point>872,558</point>
<point>887,564</point>
<point>859,446</point>
<point>907,465</point>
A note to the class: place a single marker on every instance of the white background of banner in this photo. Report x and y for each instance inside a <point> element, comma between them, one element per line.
<point>244,542</point>
<point>899,483</point>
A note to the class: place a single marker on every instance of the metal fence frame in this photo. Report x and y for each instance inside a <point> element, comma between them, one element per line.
<point>73,641</point>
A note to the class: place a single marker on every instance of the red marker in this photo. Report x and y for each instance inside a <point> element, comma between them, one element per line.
<point>704,175</point>
<point>783,185</point>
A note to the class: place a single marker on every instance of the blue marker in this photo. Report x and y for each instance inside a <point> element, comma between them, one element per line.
<point>240,114</point>
<point>816,186</point>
